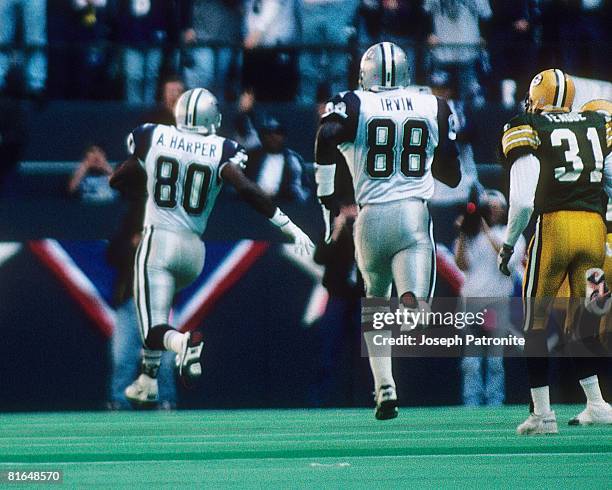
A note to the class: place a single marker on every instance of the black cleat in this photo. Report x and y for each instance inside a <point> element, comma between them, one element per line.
<point>386,403</point>
<point>188,362</point>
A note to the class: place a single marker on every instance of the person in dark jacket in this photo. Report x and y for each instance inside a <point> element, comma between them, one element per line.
<point>276,168</point>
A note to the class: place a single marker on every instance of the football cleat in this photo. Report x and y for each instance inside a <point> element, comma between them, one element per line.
<point>386,403</point>
<point>539,424</point>
<point>598,300</point>
<point>143,392</point>
<point>594,413</point>
<point>188,362</point>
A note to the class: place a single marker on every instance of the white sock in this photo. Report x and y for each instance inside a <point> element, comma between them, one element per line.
<point>380,359</point>
<point>541,400</point>
<point>591,389</point>
<point>173,340</point>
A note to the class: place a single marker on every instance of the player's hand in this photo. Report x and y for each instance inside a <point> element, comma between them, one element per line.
<point>303,244</point>
<point>505,254</point>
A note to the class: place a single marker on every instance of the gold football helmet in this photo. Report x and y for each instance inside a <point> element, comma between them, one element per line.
<point>551,91</point>
<point>598,105</point>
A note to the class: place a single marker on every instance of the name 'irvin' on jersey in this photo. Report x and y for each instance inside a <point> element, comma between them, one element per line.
<point>183,174</point>
<point>390,139</point>
<point>571,148</point>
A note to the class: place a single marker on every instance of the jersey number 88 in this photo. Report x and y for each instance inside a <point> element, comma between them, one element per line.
<point>195,186</point>
<point>382,135</point>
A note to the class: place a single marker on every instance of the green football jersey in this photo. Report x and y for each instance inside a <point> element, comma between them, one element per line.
<point>571,148</point>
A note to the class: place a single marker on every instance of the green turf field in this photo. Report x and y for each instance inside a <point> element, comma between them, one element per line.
<point>423,448</point>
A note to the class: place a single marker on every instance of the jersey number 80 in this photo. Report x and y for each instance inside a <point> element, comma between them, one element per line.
<point>195,186</point>
<point>382,135</point>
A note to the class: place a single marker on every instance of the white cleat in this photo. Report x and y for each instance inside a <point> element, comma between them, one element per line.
<point>143,392</point>
<point>539,424</point>
<point>386,403</point>
<point>594,413</point>
<point>188,361</point>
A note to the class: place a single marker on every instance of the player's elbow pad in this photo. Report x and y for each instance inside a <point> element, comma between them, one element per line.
<point>324,177</point>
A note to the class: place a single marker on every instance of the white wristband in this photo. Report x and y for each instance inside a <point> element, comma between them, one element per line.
<point>324,177</point>
<point>279,219</point>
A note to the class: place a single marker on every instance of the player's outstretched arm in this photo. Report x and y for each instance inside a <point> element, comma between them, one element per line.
<point>260,201</point>
<point>129,179</point>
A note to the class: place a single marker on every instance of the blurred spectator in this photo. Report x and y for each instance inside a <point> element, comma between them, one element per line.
<point>79,54</point>
<point>325,22</point>
<point>404,22</point>
<point>576,36</point>
<point>444,86</point>
<point>218,23</point>
<point>456,44</point>
<point>90,179</point>
<point>270,65</point>
<point>276,168</point>
<point>170,90</point>
<point>481,235</point>
<point>244,129</point>
<point>12,138</point>
<point>339,328</point>
<point>141,30</point>
<point>33,30</point>
<point>511,44</point>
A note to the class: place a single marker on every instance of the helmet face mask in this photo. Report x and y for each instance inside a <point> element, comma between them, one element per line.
<point>550,91</point>
<point>383,66</point>
<point>197,111</point>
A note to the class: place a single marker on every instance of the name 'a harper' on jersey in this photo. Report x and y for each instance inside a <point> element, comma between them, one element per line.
<point>390,140</point>
<point>183,174</point>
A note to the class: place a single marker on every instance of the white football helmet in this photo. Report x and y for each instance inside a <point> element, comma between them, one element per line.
<point>197,111</point>
<point>383,66</point>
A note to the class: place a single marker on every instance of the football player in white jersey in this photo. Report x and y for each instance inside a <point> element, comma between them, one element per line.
<point>183,168</point>
<point>395,141</point>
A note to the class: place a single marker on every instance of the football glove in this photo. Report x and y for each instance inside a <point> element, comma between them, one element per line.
<point>505,254</point>
<point>303,244</point>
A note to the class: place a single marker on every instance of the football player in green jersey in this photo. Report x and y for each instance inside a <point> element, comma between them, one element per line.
<point>559,166</point>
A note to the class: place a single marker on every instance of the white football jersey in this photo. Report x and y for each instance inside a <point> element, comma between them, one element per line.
<point>390,141</point>
<point>183,174</point>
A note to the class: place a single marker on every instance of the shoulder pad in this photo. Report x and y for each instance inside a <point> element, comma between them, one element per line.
<point>343,105</point>
<point>519,133</point>
<point>139,140</point>
<point>344,108</point>
<point>233,152</point>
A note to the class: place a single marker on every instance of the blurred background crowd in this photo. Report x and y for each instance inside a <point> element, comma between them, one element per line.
<point>286,50</point>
